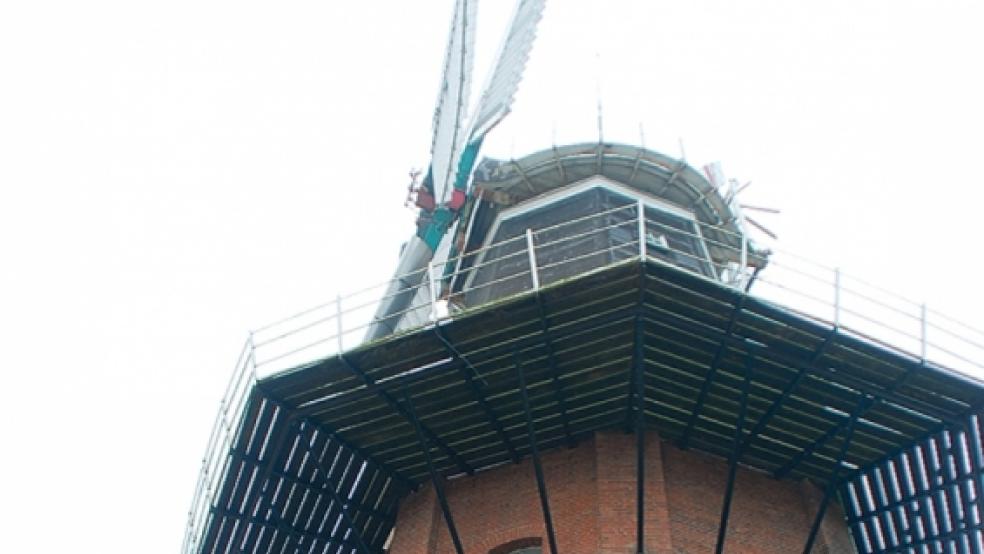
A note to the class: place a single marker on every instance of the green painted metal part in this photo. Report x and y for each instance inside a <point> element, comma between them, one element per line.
<point>467,163</point>
<point>443,217</point>
<point>440,222</point>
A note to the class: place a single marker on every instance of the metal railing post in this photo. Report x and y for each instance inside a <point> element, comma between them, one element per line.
<point>251,356</point>
<point>431,284</point>
<point>642,230</point>
<point>743,263</point>
<point>534,273</point>
<point>743,255</point>
<point>338,322</point>
<point>922,333</point>
<point>837,296</point>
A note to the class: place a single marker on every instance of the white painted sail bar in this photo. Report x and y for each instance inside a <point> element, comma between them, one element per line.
<point>507,72</point>
<point>450,113</point>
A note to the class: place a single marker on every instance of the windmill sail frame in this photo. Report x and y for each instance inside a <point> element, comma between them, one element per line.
<point>449,184</point>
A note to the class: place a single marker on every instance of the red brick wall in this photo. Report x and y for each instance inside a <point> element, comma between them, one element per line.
<point>592,491</point>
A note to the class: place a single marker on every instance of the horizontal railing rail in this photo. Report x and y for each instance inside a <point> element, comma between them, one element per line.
<point>539,257</point>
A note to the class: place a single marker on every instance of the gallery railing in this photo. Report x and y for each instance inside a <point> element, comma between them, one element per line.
<point>543,256</point>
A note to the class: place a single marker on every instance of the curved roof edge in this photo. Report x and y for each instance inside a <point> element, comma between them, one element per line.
<point>509,182</point>
<point>513,181</point>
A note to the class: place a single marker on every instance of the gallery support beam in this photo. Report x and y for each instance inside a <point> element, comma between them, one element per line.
<point>535,453</point>
<point>807,452</point>
<point>834,481</point>
<point>373,386</point>
<point>435,477</point>
<point>712,370</point>
<point>558,387</point>
<point>735,457</point>
<point>468,373</point>
<point>787,391</point>
<point>816,369</point>
<point>639,384</point>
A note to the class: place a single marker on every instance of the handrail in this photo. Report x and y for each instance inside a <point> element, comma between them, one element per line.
<point>801,285</point>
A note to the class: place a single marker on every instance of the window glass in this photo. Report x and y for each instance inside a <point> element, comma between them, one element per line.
<point>572,237</point>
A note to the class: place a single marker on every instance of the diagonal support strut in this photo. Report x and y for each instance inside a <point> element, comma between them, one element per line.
<point>538,469</point>
<point>735,457</point>
<point>833,482</point>
<point>468,373</point>
<point>435,477</point>
<point>705,388</point>
<point>373,386</point>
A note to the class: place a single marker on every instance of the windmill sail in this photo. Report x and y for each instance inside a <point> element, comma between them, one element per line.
<point>454,156</point>
<point>500,89</point>
<point>498,96</point>
<point>452,99</point>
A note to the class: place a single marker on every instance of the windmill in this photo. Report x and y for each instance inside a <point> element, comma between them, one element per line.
<point>455,146</point>
<point>604,291</point>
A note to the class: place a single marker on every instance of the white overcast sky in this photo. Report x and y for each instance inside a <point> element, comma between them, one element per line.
<point>175,173</point>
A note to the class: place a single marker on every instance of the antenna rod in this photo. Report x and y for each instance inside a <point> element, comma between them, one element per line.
<point>601,134</point>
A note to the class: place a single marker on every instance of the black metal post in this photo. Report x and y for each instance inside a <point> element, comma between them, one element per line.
<point>735,457</point>
<point>438,485</point>
<point>834,482</point>
<point>859,527</point>
<point>558,387</point>
<point>640,429</point>
<point>540,482</point>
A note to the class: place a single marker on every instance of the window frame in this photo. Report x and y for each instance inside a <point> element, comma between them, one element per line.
<point>585,185</point>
